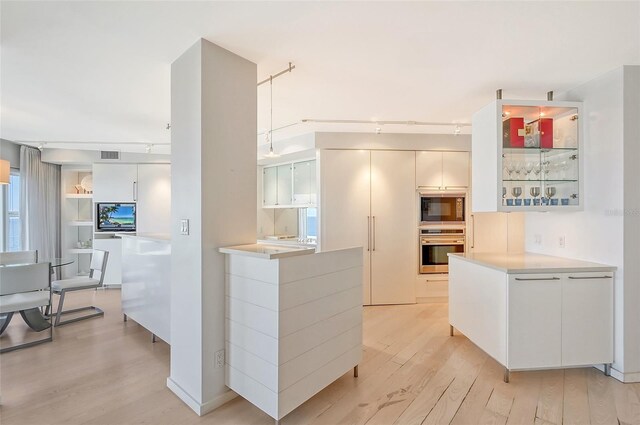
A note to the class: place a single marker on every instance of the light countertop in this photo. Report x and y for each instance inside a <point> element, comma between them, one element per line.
<point>532,263</point>
<point>157,237</point>
<point>267,251</point>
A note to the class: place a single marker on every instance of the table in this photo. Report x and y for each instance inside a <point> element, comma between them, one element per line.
<point>33,317</point>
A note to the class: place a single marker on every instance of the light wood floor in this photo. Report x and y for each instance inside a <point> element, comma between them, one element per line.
<point>104,371</point>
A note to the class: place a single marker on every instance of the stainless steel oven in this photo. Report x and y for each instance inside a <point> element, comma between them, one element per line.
<point>442,208</point>
<point>435,244</point>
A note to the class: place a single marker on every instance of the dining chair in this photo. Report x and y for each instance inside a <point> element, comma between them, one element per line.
<point>94,280</point>
<point>24,287</point>
<point>18,257</point>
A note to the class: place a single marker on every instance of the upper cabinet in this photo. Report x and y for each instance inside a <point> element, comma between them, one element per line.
<point>115,182</point>
<point>304,183</point>
<point>289,185</point>
<point>527,156</point>
<point>442,170</point>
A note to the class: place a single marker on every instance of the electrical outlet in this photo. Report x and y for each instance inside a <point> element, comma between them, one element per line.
<point>537,239</point>
<point>561,241</point>
<point>219,358</point>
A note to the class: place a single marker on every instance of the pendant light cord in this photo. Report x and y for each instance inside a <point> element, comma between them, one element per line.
<point>271,108</point>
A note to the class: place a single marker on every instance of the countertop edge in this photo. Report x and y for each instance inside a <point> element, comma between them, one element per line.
<point>585,269</point>
<point>235,250</point>
<point>149,237</point>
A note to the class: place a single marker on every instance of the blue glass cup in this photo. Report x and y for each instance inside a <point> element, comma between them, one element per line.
<point>565,201</point>
<point>554,201</point>
<point>527,202</point>
<point>518,202</point>
<point>510,202</point>
<point>545,201</point>
<point>536,201</point>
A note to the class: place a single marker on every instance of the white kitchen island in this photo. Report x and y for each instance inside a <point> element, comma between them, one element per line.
<point>146,282</point>
<point>531,311</point>
<point>293,322</point>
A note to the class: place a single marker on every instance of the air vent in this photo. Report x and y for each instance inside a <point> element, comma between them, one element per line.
<point>109,155</point>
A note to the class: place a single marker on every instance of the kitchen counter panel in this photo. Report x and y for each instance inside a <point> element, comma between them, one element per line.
<point>527,262</point>
<point>266,251</point>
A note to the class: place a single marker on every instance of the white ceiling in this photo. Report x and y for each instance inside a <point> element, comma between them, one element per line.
<point>100,71</point>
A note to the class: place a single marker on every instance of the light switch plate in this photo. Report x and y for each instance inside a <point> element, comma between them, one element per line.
<point>184,226</point>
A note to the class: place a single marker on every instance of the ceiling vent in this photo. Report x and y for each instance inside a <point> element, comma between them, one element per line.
<point>109,155</point>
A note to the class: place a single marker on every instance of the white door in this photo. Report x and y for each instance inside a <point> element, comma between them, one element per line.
<point>429,169</point>
<point>394,235</point>
<point>114,182</point>
<point>269,186</point>
<point>285,185</point>
<point>455,170</point>
<point>534,320</point>
<point>587,318</point>
<point>488,232</point>
<point>154,198</point>
<point>345,205</point>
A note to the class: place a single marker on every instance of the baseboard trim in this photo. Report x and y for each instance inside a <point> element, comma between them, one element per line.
<point>200,408</point>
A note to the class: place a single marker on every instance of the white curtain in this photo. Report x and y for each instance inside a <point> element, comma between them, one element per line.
<point>40,204</point>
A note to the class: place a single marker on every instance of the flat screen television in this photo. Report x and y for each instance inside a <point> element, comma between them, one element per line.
<point>115,217</point>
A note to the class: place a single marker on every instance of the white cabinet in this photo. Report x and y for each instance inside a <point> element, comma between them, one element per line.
<point>154,198</point>
<point>368,199</point>
<point>304,183</point>
<point>114,182</point>
<point>587,319</point>
<point>269,186</point>
<point>527,156</point>
<point>393,227</point>
<point>289,185</point>
<point>563,319</point>
<point>535,321</point>
<point>345,211</point>
<point>442,170</point>
<point>113,274</point>
<point>496,232</point>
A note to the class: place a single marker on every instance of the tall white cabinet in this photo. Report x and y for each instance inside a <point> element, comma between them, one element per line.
<point>149,186</point>
<point>368,199</point>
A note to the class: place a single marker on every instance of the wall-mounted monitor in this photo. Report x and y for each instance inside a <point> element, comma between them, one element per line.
<point>115,217</point>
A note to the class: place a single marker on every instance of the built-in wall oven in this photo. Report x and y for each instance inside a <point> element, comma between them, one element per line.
<point>434,245</point>
<point>442,208</point>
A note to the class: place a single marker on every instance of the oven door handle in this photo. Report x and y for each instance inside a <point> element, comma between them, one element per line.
<point>434,243</point>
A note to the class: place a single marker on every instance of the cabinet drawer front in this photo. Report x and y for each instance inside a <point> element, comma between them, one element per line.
<point>587,319</point>
<point>534,329</point>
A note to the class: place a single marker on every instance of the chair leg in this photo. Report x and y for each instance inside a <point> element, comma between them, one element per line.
<point>60,303</point>
<point>4,321</point>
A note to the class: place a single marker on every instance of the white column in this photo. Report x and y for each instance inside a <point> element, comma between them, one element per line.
<point>213,185</point>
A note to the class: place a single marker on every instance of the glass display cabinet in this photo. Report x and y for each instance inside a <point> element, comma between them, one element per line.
<point>527,156</point>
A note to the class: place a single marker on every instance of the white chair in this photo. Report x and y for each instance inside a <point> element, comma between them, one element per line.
<point>94,280</point>
<point>23,288</point>
<point>18,257</point>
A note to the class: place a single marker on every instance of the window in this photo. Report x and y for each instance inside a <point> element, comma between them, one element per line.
<point>308,223</point>
<point>12,226</point>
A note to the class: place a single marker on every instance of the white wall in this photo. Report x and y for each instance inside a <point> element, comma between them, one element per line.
<point>10,151</point>
<point>601,232</point>
<point>213,178</point>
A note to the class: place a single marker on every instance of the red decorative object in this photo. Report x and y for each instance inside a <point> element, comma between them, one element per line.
<point>545,127</point>
<point>513,133</point>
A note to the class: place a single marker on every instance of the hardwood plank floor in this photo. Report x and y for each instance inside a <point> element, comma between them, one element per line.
<point>106,371</point>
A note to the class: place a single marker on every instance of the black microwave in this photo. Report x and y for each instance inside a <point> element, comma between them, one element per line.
<point>442,208</point>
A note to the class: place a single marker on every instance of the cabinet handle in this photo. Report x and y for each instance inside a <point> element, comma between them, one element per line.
<point>590,277</point>
<point>374,233</point>
<point>538,278</point>
<point>368,233</point>
<point>473,231</point>
<point>135,191</point>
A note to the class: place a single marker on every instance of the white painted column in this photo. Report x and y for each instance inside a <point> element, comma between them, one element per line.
<point>213,185</point>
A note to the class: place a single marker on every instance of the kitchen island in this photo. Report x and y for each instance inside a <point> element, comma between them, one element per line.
<point>146,282</point>
<point>531,311</point>
<point>293,322</point>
